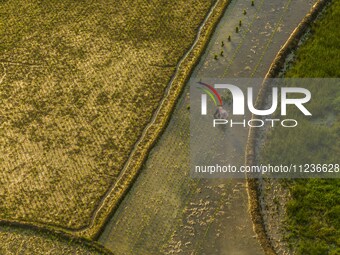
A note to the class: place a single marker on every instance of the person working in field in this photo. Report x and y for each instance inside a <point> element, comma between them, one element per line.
<point>220,113</point>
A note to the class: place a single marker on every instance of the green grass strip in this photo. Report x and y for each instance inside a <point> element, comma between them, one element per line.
<point>314,211</point>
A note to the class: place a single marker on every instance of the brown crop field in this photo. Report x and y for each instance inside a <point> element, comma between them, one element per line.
<point>79,82</point>
<point>24,241</point>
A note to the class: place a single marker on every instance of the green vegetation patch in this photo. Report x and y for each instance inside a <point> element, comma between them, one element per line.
<point>314,211</point>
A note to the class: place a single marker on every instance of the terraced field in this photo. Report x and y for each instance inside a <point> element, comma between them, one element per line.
<point>79,83</point>
<point>191,216</point>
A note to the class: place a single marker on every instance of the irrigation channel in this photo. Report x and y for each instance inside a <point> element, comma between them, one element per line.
<point>168,212</point>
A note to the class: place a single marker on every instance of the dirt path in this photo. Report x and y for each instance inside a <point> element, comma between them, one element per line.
<point>167,212</point>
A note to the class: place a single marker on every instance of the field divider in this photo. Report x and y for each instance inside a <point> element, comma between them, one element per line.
<point>253,186</point>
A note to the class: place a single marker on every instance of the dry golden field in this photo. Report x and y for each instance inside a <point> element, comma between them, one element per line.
<point>23,241</point>
<point>79,81</point>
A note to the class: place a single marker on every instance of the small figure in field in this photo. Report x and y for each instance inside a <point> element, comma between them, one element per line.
<point>220,113</point>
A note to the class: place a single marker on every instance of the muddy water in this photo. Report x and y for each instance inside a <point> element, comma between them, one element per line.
<point>167,212</point>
